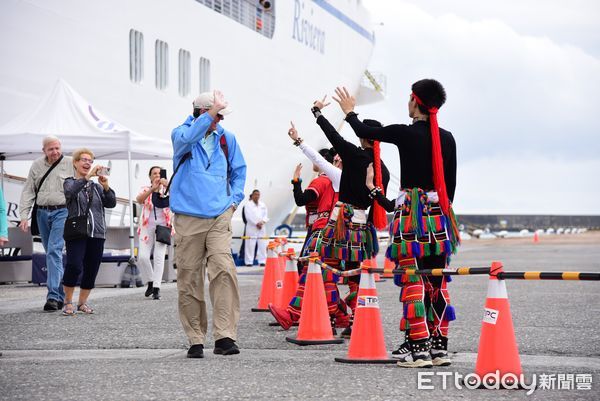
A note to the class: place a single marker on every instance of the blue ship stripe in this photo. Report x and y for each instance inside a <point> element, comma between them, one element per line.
<point>345,19</point>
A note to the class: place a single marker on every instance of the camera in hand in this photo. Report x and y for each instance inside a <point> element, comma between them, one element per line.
<point>163,173</point>
<point>103,171</point>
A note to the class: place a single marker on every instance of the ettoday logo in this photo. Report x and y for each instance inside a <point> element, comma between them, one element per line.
<point>471,381</point>
<point>510,381</point>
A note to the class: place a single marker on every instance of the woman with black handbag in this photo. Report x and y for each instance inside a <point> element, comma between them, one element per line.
<point>85,228</point>
<point>154,230</point>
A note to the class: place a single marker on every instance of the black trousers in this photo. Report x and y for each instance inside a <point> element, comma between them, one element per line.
<point>83,255</point>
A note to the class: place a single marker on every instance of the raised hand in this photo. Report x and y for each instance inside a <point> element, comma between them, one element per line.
<point>344,99</point>
<point>93,172</point>
<point>320,104</point>
<point>103,180</point>
<point>219,102</point>
<point>370,177</point>
<point>297,171</point>
<point>292,132</point>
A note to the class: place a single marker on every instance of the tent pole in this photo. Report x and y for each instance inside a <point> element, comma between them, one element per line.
<point>131,237</point>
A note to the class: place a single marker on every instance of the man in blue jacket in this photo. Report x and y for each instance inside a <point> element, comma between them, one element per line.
<point>206,190</point>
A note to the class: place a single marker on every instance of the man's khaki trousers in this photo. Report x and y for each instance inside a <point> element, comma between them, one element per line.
<point>203,245</point>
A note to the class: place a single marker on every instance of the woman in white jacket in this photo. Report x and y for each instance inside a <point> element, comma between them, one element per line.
<point>155,211</point>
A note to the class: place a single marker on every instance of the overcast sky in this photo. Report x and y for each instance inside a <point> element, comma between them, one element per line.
<point>523,84</point>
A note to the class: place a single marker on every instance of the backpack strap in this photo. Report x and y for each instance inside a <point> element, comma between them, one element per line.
<point>183,159</point>
<point>225,149</point>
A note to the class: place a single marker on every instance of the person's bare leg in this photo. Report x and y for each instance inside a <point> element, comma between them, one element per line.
<point>68,293</point>
<point>68,299</point>
<point>83,297</point>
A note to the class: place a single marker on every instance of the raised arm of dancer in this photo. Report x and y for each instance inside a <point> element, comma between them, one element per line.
<point>390,134</point>
<point>334,173</point>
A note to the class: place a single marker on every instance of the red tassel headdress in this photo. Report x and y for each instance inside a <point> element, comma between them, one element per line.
<point>437,160</point>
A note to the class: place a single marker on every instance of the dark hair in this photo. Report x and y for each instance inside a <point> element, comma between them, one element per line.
<point>431,92</point>
<point>252,193</point>
<point>328,154</point>
<point>152,168</point>
<point>371,123</point>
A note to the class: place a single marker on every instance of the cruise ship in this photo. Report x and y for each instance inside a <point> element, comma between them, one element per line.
<point>142,62</point>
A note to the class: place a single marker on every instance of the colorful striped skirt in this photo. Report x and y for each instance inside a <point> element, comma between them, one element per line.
<point>347,236</point>
<point>420,228</point>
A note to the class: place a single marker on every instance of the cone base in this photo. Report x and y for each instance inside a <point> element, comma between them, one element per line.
<point>259,310</point>
<point>367,361</point>
<point>314,342</point>
<point>275,324</point>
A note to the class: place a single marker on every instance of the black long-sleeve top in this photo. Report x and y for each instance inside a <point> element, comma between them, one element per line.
<point>414,146</point>
<point>355,161</point>
<point>387,204</point>
<point>303,197</point>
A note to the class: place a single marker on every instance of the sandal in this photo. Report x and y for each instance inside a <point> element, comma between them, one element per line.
<point>85,308</point>
<point>68,309</point>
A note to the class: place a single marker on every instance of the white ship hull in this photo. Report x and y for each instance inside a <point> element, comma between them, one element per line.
<point>316,45</point>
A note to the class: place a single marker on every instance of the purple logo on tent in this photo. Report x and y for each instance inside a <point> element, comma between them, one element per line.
<point>103,125</point>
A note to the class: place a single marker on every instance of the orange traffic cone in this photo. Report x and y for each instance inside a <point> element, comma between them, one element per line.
<point>315,324</point>
<point>280,255</point>
<point>272,280</point>
<point>497,345</point>
<point>536,238</point>
<point>290,280</point>
<point>367,344</point>
<point>290,284</point>
<point>388,266</point>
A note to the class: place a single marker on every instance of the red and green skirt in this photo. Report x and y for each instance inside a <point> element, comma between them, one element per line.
<point>420,228</point>
<point>347,236</point>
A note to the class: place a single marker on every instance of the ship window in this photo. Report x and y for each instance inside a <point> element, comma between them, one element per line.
<point>204,74</point>
<point>185,68</point>
<point>258,15</point>
<point>136,56</point>
<point>162,64</point>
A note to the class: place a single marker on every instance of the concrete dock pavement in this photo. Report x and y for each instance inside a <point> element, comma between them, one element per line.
<point>133,348</point>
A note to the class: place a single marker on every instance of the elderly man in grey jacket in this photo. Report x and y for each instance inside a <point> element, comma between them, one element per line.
<point>51,212</point>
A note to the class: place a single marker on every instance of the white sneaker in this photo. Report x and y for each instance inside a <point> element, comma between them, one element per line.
<point>439,357</point>
<point>439,351</point>
<point>416,360</point>
<point>414,355</point>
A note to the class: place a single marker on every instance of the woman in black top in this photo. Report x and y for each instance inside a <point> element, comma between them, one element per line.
<point>84,252</point>
<point>423,232</point>
<point>350,237</point>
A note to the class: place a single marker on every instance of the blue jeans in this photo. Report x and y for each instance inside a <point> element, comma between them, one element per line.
<point>52,226</point>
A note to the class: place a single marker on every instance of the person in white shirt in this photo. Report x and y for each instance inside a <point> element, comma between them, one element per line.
<point>155,212</point>
<point>256,229</point>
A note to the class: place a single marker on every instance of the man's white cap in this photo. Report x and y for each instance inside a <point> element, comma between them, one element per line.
<point>206,101</point>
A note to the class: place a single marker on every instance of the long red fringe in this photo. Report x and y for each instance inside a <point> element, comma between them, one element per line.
<point>379,215</point>
<point>437,160</point>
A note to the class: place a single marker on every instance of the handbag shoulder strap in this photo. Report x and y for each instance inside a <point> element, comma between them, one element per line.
<point>87,209</point>
<point>183,159</point>
<point>46,175</point>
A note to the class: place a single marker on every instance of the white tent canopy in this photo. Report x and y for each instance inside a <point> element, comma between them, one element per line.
<point>66,114</point>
